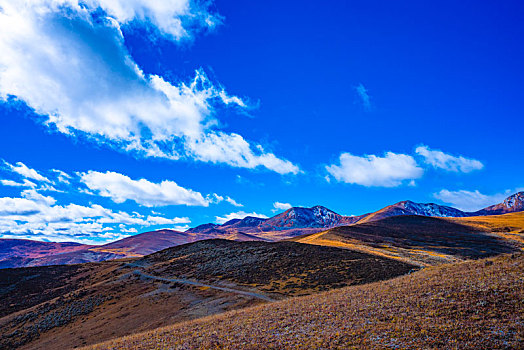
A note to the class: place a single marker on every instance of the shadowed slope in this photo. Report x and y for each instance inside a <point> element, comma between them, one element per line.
<point>417,239</point>
<point>286,268</point>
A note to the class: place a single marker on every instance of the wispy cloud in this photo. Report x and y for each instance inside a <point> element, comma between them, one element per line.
<point>441,160</point>
<point>215,198</point>
<point>85,82</point>
<point>233,202</point>
<point>26,172</point>
<point>25,183</point>
<point>391,170</point>
<point>62,176</point>
<point>363,96</point>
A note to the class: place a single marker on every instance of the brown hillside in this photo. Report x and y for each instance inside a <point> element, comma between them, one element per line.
<point>286,268</point>
<point>59,307</point>
<point>468,305</point>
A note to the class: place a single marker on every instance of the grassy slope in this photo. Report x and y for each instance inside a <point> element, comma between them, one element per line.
<point>65,306</point>
<point>59,307</point>
<point>281,268</point>
<point>428,241</point>
<point>467,305</point>
<point>509,226</point>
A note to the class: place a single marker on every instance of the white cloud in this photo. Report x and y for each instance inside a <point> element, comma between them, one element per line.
<point>441,160</point>
<point>83,81</point>
<point>232,149</point>
<point>34,216</point>
<point>124,229</point>
<point>25,183</point>
<point>158,220</point>
<point>215,198</point>
<point>277,206</point>
<point>62,176</point>
<point>170,17</point>
<point>370,170</point>
<point>37,197</point>
<point>26,172</point>
<point>120,188</point>
<point>470,200</point>
<point>237,215</point>
<point>362,93</point>
<point>233,202</point>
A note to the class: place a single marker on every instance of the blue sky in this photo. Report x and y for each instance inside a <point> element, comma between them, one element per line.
<point>120,117</point>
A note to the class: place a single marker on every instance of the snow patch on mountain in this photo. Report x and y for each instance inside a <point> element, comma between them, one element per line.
<point>515,200</point>
<point>430,209</point>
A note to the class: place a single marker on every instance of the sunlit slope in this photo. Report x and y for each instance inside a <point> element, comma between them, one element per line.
<point>509,226</point>
<point>467,305</point>
<point>420,240</point>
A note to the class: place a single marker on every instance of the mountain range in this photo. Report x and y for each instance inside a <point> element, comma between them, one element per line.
<point>294,222</point>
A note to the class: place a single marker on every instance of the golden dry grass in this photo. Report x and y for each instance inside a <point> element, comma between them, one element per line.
<point>427,241</point>
<point>124,252</point>
<point>468,305</point>
<point>386,251</point>
<point>509,226</point>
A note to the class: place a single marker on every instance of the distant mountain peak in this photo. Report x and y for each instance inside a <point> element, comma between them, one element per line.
<point>430,209</point>
<point>252,220</point>
<point>512,204</point>
<point>318,209</point>
<point>203,227</point>
<point>301,217</point>
<point>412,208</point>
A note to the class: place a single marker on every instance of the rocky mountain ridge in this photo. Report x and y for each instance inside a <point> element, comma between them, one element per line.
<point>291,223</point>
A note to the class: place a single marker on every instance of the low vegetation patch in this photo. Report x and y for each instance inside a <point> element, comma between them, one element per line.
<point>286,268</point>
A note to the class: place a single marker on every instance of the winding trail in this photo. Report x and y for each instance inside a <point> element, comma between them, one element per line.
<point>198,284</point>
